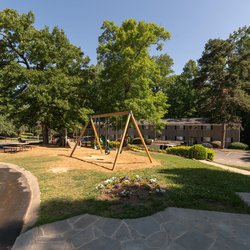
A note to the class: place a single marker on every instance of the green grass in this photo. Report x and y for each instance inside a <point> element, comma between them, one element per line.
<point>190,184</point>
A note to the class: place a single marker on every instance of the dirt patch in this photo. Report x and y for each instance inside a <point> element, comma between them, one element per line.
<point>87,158</point>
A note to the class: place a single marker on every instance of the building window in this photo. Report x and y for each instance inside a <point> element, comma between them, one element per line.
<point>207,127</point>
<point>142,127</point>
<point>146,137</point>
<point>229,139</point>
<point>179,138</point>
<point>146,127</point>
<point>206,139</point>
<point>181,127</point>
<point>166,126</point>
<point>164,137</point>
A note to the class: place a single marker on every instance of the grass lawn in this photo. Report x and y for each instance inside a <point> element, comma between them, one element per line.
<point>190,184</point>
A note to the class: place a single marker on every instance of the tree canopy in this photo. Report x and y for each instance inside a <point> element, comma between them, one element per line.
<point>42,74</point>
<point>130,75</point>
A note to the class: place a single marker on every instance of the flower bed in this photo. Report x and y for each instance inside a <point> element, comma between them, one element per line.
<point>129,188</point>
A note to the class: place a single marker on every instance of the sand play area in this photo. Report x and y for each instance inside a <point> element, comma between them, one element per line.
<point>87,158</point>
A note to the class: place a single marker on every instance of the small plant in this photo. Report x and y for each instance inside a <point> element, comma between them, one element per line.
<point>238,145</point>
<point>198,152</point>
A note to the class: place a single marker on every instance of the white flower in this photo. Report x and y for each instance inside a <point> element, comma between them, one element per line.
<point>100,186</point>
<point>152,180</point>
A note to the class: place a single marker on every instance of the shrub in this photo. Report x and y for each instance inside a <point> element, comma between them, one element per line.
<point>179,150</point>
<point>198,152</point>
<point>134,147</point>
<point>210,154</point>
<point>148,141</point>
<point>137,140</point>
<point>114,144</point>
<point>161,151</point>
<point>216,144</point>
<point>238,145</point>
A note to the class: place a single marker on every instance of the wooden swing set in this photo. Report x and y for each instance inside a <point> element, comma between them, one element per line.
<point>130,117</point>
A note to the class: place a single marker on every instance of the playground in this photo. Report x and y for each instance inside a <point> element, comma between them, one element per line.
<point>86,159</point>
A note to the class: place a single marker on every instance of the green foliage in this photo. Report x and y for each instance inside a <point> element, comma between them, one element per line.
<point>137,140</point>
<point>114,144</point>
<point>238,145</point>
<point>182,92</point>
<point>216,144</point>
<point>7,127</point>
<point>198,152</point>
<point>183,151</point>
<point>134,147</point>
<point>42,75</point>
<point>210,154</point>
<point>130,75</point>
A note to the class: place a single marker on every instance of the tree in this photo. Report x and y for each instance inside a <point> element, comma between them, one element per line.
<point>7,127</point>
<point>221,88</point>
<point>42,75</point>
<point>241,41</point>
<point>182,92</point>
<point>129,72</point>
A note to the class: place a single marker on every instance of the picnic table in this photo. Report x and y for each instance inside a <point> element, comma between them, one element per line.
<point>13,148</point>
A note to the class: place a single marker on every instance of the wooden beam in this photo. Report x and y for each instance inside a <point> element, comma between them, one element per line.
<point>96,134</point>
<point>110,114</point>
<point>122,140</point>
<point>141,137</point>
<point>79,138</point>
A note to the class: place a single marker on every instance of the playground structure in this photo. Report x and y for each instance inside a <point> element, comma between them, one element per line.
<point>130,117</point>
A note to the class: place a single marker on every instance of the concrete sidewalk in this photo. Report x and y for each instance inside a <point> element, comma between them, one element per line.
<point>232,169</point>
<point>173,228</point>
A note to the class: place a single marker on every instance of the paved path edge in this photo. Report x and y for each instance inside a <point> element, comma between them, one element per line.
<point>232,169</point>
<point>31,214</point>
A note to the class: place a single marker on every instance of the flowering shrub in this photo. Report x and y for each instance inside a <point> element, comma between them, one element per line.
<point>135,186</point>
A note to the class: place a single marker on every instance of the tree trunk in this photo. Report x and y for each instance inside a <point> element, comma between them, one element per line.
<point>223,134</point>
<point>45,131</point>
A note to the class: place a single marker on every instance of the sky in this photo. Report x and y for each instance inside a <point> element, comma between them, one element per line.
<point>191,22</point>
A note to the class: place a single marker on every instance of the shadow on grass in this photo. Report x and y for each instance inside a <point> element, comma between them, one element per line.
<point>196,188</point>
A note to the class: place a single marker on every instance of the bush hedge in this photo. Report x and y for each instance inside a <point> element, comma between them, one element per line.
<point>179,150</point>
<point>210,154</point>
<point>137,140</point>
<point>197,152</point>
<point>238,145</point>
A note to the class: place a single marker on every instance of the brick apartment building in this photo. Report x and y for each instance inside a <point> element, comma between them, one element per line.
<point>190,131</point>
<point>184,130</point>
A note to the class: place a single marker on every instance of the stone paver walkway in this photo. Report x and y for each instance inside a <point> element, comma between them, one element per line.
<point>232,169</point>
<point>173,228</point>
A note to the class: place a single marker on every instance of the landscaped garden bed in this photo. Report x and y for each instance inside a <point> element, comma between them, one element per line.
<point>129,188</point>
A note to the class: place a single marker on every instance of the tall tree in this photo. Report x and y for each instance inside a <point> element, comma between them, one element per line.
<point>241,41</point>
<point>182,92</point>
<point>129,72</point>
<point>221,87</point>
<point>42,74</point>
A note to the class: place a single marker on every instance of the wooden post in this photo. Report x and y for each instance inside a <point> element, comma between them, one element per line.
<point>122,140</point>
<point>96,135</point>
<point>142,139</point>
<point>79,138</point>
